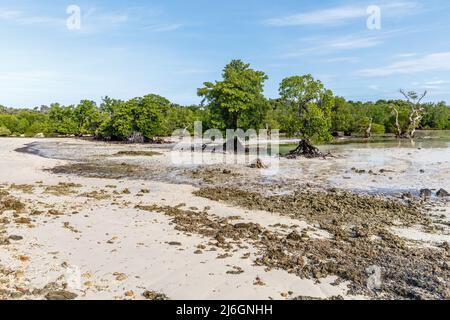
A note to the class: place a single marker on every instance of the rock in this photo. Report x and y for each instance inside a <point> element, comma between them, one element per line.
<point>294,236</point>
<point>129,293</point>
<point>425,193</point>
<point>258,282</point>
<point>258,164</point>
<point>220,238</point>
<point>446,265</point>
<point>15,238</point>
<point>152,295</point>
<point>40,135</point>
<point>442,193</point>
<point>174,243</point>
<point>60,295</point>
<point>120,276</point>
<point>407,195</point>
<point>23,221</point>
<point>54,212</point>
<point>136,137</point>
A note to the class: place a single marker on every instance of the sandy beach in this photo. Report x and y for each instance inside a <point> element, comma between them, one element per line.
<point>77,236</point>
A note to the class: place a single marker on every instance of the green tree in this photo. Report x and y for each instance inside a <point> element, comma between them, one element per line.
<point>143,116</point>
<point>312,104</point>
<point>88,117</point>
<point>240,90</point>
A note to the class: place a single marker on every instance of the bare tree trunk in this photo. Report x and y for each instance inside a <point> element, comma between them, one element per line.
<point>369,129</point>
<point>397,123</point>
<point>414,120</point>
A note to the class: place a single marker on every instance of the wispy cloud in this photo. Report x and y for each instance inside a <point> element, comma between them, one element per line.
<point>338,15</point>
<point>91,19</point>
<point>22,18</point>
<point>357,41</point>
<point>406,55</point>
<point>163,27</point>
<point>327,16</point>
<point>432,62</point>
<point>341,59</point>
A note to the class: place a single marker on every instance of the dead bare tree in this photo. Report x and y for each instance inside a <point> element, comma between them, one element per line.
<point>415,115</point>
<point>417,111</point>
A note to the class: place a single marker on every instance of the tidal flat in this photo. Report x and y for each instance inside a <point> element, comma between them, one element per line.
<point>93,220</point>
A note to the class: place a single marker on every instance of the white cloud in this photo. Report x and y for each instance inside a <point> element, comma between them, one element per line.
<point>431,62</point>
<point>338,15</point>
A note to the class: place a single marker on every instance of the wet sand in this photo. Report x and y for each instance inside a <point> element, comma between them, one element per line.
<point>120,236</point>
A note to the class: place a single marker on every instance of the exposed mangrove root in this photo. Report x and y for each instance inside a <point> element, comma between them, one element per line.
<point>307,150</point>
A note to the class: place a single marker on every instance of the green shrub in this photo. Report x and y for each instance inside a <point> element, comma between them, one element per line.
<point>4,132</point>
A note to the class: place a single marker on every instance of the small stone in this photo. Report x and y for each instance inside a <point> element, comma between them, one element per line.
<point>294,236</point>
<point>129,294</point>
<point>407,195</point>
<point>425,193</point>
<point>15,238</point>
<point>446,265</point>
<point>152,295</point>
<point>258,282</point>
<point>119,276</point>
<point>60,295</point>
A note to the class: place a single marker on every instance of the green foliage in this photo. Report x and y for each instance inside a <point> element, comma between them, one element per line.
<point>378,128</point>
<point>145,115</point>
<point>309,105</point>
<point>436,117</point>
<point>240,91</point>
<point>4,132</point>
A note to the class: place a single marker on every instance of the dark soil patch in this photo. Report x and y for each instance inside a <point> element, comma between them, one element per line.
<point>94,170</point>
<point>138,153</point>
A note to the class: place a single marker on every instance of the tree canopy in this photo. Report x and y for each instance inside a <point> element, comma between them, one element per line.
<point>240,91</point>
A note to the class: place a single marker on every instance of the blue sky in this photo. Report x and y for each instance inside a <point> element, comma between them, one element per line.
<point>131,48</point>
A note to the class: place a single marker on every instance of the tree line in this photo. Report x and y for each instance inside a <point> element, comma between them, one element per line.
<point>304,108</point>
